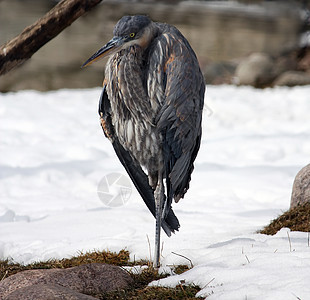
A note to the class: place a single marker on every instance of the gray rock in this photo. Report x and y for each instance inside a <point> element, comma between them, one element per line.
<point>256,70</point>
<point>292,78</point>
<point>21,280</point>
<point>47,292</point>
<point>219,72</point>
<point>304,59</point>
<point>301,187</point>
<point>88,279</point>
<point>286,62</point>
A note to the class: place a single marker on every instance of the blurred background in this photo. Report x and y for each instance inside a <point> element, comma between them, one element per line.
<point>258,43</point>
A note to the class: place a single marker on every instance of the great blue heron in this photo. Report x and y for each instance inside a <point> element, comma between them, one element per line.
<point>151,110</point>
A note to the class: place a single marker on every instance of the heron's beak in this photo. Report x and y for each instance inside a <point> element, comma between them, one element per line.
<point>111,47</point>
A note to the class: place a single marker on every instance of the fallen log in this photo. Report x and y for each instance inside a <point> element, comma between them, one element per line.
<point>19,49</point>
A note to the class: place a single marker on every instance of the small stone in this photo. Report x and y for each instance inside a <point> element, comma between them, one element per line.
<point>304,61</point>
<point>256,70</point>
<point>292,78</point>
<point>219,72</point>
<point>301,187</point>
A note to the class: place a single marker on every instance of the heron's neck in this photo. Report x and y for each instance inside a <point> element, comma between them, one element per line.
<point>148,35</point>
<point>125,73</point>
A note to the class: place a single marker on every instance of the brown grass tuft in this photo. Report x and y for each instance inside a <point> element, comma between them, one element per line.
<point>296,219</point>
<point>8,268</point>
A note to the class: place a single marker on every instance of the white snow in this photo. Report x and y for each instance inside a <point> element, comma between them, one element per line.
<point>54,154</point>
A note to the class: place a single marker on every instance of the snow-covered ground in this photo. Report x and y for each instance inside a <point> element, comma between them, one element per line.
<point>54,154</point>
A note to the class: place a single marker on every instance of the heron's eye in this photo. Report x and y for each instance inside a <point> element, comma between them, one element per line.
<point>132,35</point>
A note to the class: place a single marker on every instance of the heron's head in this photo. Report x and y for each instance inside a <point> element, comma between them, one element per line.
<point>128,31</point>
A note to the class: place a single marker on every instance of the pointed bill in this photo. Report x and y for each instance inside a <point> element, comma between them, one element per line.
<point>111,47</point>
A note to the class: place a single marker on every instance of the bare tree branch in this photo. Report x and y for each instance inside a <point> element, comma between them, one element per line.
<point>22,47</point>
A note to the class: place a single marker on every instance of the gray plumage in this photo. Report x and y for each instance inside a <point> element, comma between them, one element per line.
<point>151,110</point>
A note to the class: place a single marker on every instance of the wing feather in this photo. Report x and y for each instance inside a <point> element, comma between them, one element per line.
<point>181,102</point>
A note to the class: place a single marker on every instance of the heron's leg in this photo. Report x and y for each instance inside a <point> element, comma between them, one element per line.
<point>159,199</point>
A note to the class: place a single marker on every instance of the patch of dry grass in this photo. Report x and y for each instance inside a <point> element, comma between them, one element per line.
<point>296,219</point>
<point>180,269</point>
<point>156,293</point>
<point>8,268</point>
